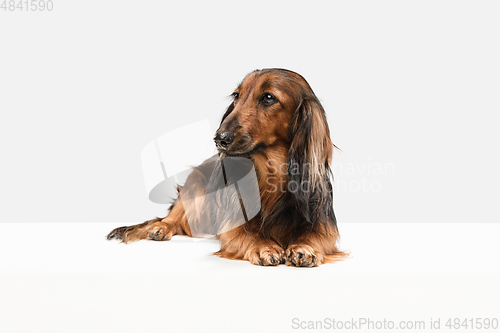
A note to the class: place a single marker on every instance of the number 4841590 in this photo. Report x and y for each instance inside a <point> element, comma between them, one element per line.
<point>472,323</point>
<point>27,5</point>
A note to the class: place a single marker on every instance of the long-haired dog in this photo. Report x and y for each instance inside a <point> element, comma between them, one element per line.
<point>276,121</point>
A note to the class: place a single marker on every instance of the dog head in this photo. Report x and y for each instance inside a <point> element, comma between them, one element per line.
<point>277,107</point>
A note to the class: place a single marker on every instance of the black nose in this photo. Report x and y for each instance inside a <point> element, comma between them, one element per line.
<point>223,140</point>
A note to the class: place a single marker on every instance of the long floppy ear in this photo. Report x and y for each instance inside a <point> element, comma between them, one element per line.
<point>309,161</point>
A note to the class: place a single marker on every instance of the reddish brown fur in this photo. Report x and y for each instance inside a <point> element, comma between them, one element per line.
<point>270,134</point>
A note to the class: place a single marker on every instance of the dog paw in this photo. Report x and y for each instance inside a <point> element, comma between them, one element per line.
<point>117,233</point>
<point>266,255</point>
<point>302,256</point>
<point>160,231</point>
<point>139,231</point>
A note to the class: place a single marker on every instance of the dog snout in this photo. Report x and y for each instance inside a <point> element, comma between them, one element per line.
<point>223,139</point>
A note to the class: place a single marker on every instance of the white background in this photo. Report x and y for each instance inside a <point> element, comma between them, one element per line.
<point>411,86</point>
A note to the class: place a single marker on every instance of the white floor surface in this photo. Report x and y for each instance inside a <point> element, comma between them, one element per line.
<point>57,277</point>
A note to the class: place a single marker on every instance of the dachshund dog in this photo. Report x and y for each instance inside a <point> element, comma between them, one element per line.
<point>276,121</point>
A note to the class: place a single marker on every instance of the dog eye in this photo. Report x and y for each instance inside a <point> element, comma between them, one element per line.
<point>268,99</point>
<point>235,95</point>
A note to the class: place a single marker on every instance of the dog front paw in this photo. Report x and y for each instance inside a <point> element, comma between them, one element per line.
<point>266,255</point>
<point>160,231</point>
<point>302,255</point>
<point>117,233</point>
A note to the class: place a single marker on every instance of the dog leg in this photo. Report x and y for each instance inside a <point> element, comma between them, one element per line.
<point>158,229</point>
<point>319,247</point>
<point>241,244</point>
